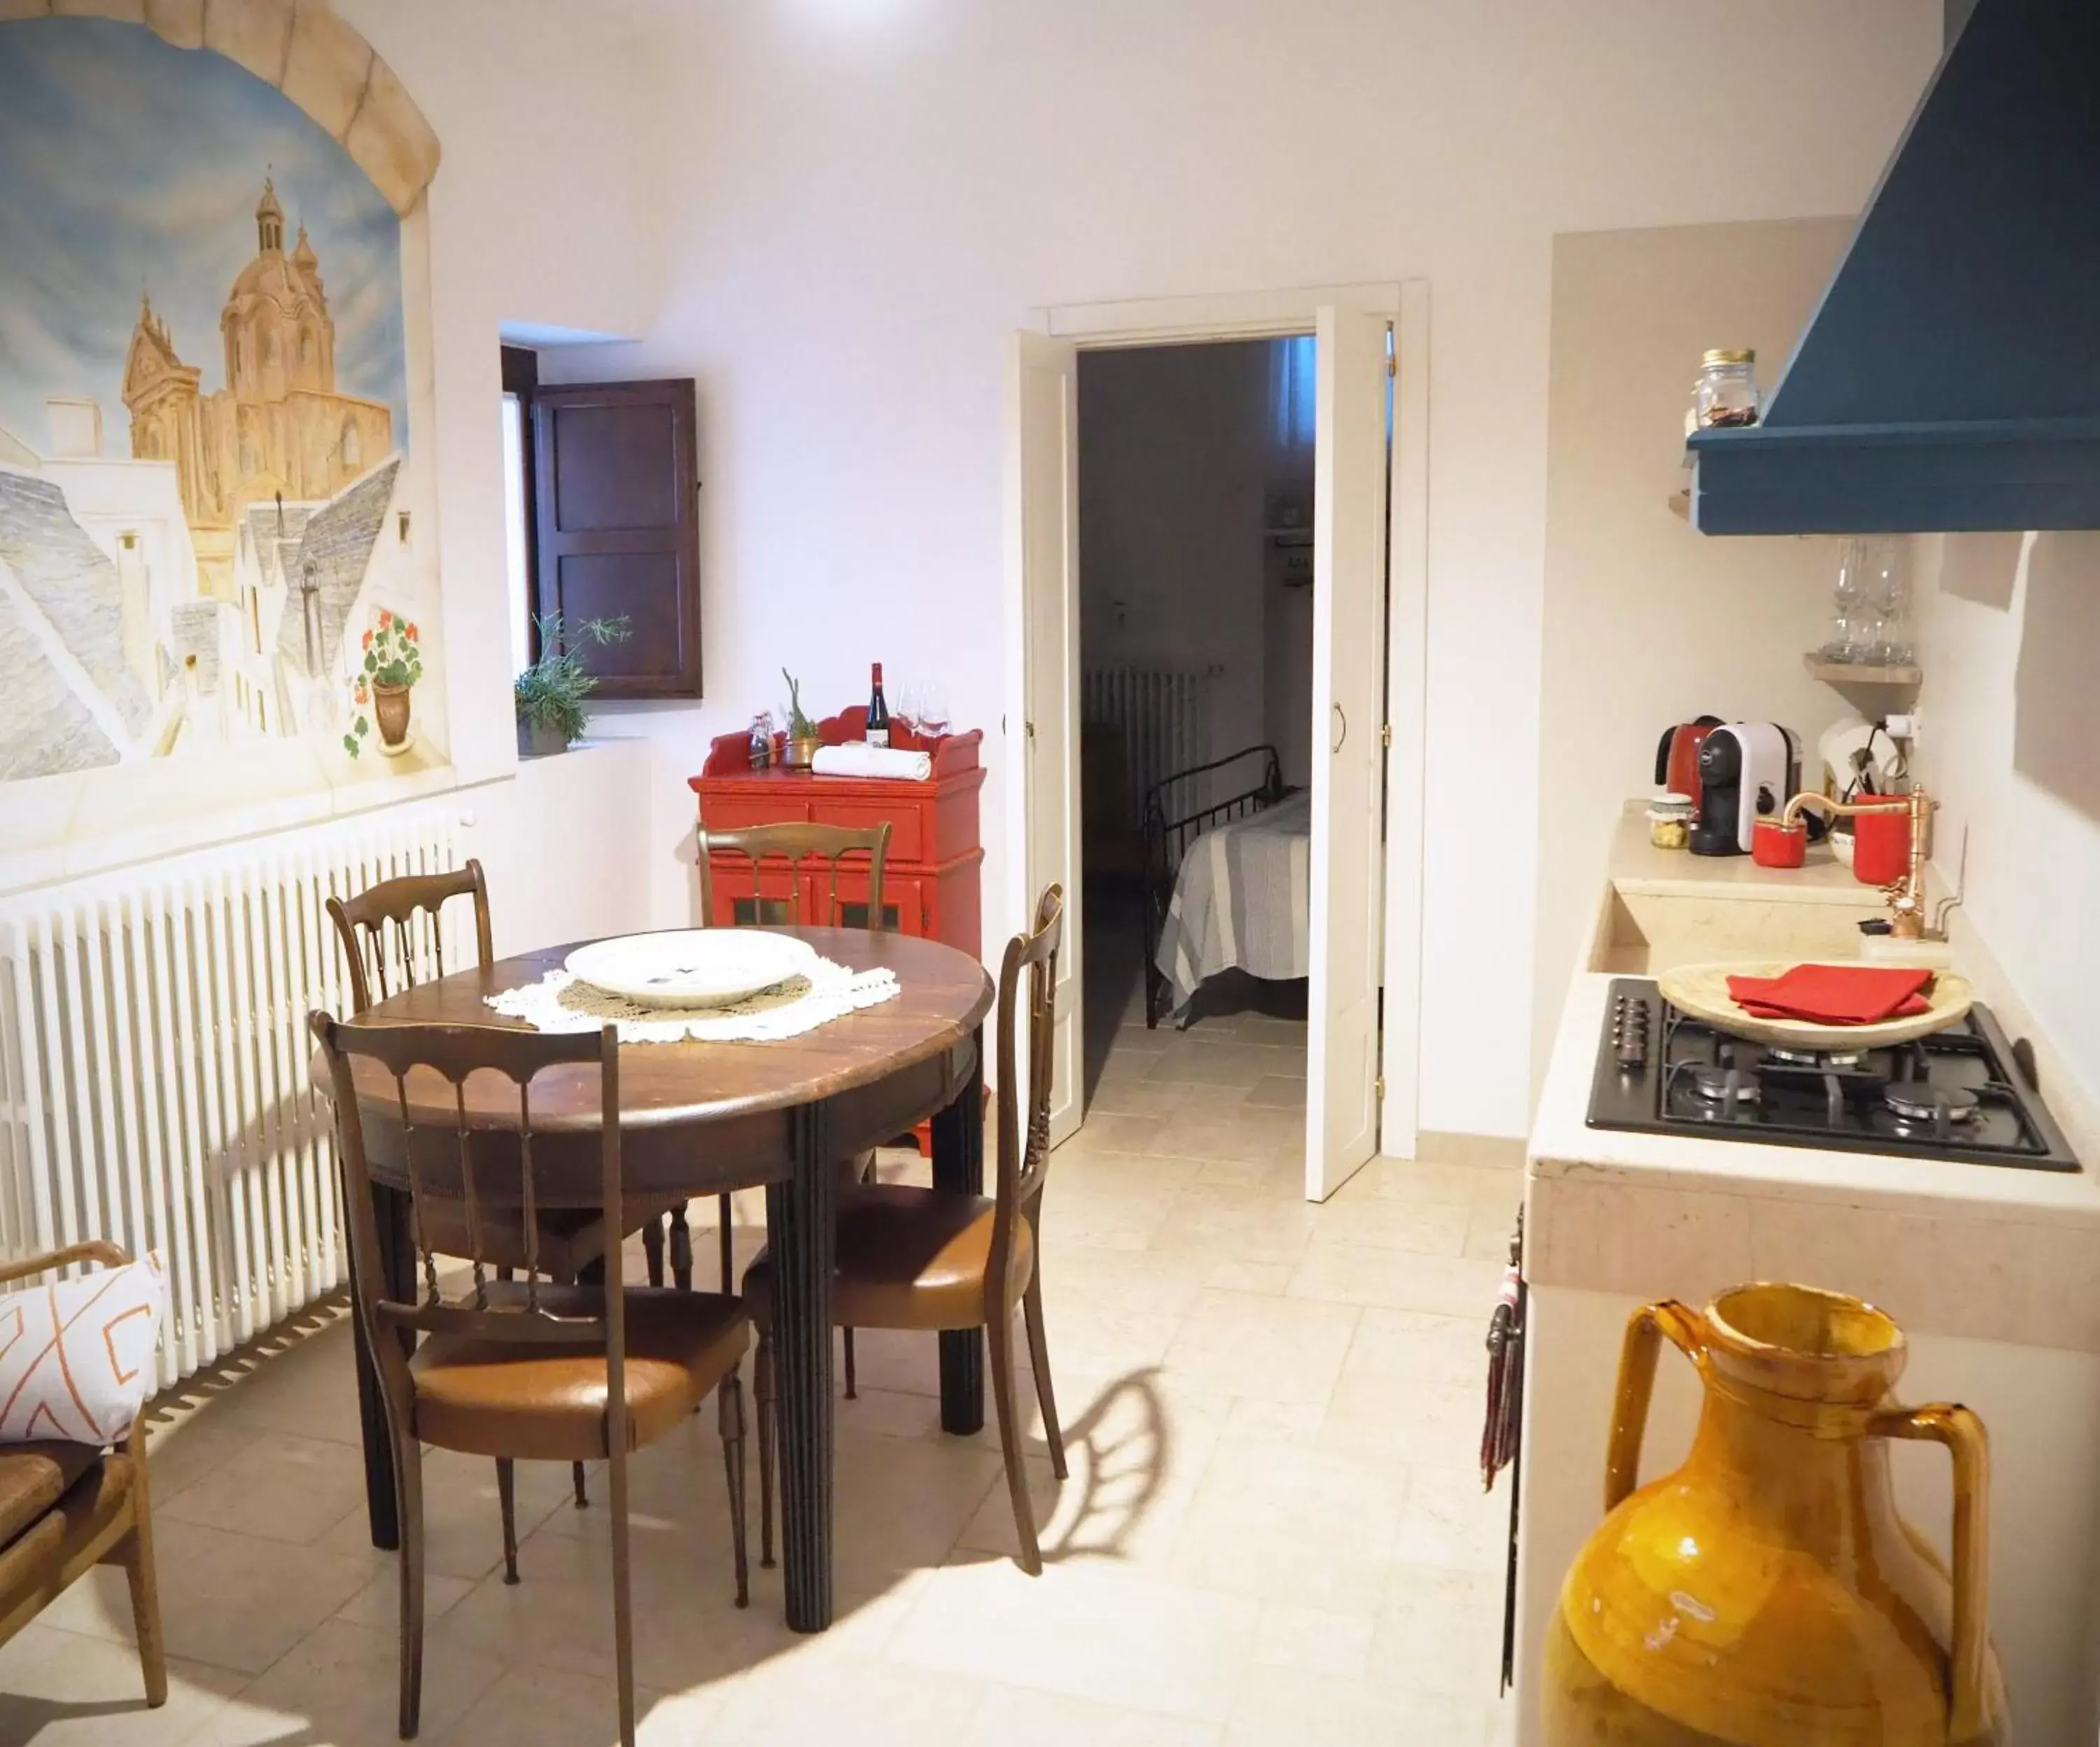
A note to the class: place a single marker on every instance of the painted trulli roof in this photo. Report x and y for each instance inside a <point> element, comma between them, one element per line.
<point>73,584</point>
<point>337,543</point>
<point>46,730</point>
<point>262,522</point>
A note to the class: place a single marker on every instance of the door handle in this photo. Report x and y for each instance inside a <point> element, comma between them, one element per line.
<point>1341,716</point>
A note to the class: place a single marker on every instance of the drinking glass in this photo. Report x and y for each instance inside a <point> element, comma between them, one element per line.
<point>1888,590</point>
<point>1849,630</point>
<point>932,718</point>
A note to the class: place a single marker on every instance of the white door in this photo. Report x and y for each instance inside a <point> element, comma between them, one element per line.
<point>1044,517</point>
<point>1348,610</point>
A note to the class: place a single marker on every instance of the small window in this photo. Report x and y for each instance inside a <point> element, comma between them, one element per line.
<point>353,447</point>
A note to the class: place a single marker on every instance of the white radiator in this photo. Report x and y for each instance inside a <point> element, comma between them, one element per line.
<point>154,1054</point>
<point>1163,718</point>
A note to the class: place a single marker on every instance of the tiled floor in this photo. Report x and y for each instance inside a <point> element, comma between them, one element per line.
<point>1273,1530</point>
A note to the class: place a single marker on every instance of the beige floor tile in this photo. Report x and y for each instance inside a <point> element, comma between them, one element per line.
<point>1439,1631</point>
<point>1085,1629</point>
<point>1421,1227</point>
<point>1314,1640</point>
<point>293,1384</point>
<point>1235,1224</point>
<point>1233,1275</point>
<point>278,1488</point>
<point>1107,1132</point>
<point>845,1698</point>
<point>340,1685</point>
<point>462,1518</point>
<point>1281,1175</point>
<point>1282,1707</point>
<point>1196,1062</point>
<point>1282,1091</point>
<point>1447,1285</point>
<point>548,1707</point>
<point>1451,1524</point>
<point>1425,1180</point>
<point>1212,1133</point>
<point>58,1689</point>
<point>378,1604</point>
<point>229,1599</point>
<point>1023,1717</point>
<point>1279,1522</point>
<point>1133,1096</point>
<point>1275,1349</point>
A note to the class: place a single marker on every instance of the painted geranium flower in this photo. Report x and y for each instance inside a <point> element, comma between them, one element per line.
<point>364,696</point>
<point>413,636</point>
<point>367,639</point>
<point>385,618</point>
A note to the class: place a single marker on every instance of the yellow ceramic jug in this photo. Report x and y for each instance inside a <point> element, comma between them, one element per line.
<point>1767,1594</point>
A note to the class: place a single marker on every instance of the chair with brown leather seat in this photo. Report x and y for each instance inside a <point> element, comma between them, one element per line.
<point>797,845</point>
<point>384,931</point>
<point>517,1369</point>
<point>932,1259</point>
<point>67,1508</point>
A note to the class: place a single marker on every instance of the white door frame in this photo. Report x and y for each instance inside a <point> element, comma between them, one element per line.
<point>1264,315</point>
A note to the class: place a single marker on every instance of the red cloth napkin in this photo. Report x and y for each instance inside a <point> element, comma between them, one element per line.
<point>1834,994</point>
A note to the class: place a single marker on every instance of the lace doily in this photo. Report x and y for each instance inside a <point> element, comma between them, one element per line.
<point>562,1001</point>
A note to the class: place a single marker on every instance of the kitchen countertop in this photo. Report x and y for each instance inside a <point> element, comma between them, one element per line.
<point>1638,867</point>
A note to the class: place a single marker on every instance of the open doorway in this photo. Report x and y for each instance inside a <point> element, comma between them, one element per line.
<point>1371,406</point>
<point>1196,482</point>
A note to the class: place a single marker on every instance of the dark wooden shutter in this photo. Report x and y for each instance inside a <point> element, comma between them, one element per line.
<point>616,487</point>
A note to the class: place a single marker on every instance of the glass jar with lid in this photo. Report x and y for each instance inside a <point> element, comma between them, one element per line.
<point>1669,820</point>
<point>1726,390</point>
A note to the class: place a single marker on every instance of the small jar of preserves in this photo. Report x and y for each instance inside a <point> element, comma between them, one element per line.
<point>1669,820</point>
<point>1726,391</point>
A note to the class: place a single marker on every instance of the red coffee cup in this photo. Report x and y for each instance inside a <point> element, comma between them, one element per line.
<point>1881,847</point>
<point>1773,844</point>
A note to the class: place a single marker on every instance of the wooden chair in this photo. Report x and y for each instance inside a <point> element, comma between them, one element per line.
<point>516,1369</point>
<point>798,845</point>
<point>66,1507</point>
<point>924,1259</point>
<point>381,930</point>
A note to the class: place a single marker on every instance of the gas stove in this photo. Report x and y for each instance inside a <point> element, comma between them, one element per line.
<point>1963,1092</point>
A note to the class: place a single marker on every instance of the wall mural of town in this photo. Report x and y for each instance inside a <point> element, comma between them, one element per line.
<point>207,552</point>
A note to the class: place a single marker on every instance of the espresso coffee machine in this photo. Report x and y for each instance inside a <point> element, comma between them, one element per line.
<point>1746,769</point>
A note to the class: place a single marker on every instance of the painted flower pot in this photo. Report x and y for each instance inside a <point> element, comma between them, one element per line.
<point>1767,1594</point>
<point>389,710</point>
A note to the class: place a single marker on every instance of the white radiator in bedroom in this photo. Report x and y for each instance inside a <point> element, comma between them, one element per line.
<point>153,1065</point>
<point>1164,716</point>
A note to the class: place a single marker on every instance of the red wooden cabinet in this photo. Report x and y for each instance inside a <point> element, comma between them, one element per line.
<point>931,884</point>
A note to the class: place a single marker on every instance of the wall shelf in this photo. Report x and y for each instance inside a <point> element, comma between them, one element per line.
<point>1861,672</point>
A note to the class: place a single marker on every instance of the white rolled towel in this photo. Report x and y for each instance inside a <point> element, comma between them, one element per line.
<point>857,758</point>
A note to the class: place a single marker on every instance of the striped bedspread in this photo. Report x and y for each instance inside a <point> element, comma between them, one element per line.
<point>1242,899</point>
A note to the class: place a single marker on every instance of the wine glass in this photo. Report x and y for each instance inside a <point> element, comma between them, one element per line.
<point>933,719</point>
<point>1888,588</point>
<point>1848,628</point>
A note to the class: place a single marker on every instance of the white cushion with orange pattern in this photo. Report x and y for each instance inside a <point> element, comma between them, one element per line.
<point>76,1355</point>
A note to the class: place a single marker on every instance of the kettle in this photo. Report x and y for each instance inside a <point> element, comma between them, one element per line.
<point>1677,756</point>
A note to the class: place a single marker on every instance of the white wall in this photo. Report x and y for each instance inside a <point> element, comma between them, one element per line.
<point>1647,622</point>
<point>2009,641</point>
<point>859,203</point>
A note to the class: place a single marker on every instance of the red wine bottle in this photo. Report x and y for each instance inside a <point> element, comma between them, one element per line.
<point>878,712</point>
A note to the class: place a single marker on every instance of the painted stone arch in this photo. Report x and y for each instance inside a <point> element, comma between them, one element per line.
<point>317,59</point>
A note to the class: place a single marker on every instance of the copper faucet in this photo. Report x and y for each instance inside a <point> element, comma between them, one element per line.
<point>1906,897</point>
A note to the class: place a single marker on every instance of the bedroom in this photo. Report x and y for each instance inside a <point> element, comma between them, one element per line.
<point>1195,513</point>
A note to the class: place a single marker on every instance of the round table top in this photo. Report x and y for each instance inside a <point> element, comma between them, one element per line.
<point>945,995</point>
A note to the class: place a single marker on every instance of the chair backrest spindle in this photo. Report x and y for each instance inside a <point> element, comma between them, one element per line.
<point>1023,1164</point>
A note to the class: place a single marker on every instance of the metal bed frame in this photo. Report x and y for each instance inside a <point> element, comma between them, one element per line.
<point>1166,841</point>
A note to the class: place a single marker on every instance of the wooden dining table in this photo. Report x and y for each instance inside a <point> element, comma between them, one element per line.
<point>700,1119</point>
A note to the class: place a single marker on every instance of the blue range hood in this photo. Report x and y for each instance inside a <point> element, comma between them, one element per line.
<point>1949,381</point>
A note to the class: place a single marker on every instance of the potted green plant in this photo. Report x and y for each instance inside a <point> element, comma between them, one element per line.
<point>803,739</point>
<point>549,694</point>
<point>392,664</point>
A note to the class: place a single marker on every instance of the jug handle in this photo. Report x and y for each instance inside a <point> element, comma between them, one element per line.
<point>1645,1331</point>
<point>1966,1442</point>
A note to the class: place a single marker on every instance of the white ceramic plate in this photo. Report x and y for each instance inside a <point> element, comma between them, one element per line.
<point>699,967</point>
<point>1702,990</point>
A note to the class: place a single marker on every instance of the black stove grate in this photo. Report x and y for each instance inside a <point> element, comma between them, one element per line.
<point>1963,1092</point>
